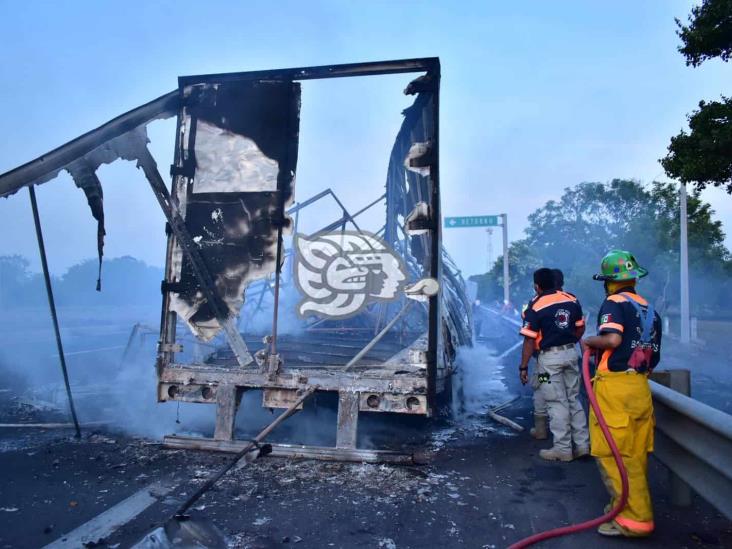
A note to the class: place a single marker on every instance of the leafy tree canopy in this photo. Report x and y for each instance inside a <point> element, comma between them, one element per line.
<point>704,155</point>
<point>708,33</point>
<point>126,281</point>
<point>574,232</point>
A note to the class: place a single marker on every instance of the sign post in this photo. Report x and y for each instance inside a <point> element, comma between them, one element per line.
<point>471,221</point>
<point>506,282</point>
<point>489,259</point>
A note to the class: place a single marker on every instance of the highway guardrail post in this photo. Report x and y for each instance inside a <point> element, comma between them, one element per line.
<point>679,381</point>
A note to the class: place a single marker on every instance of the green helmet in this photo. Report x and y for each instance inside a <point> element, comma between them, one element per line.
<point>620,265</point>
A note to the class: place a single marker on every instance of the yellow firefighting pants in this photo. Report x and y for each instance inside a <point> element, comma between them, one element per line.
<point>625,401</point>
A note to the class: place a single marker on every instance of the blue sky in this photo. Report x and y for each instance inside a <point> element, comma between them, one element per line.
<point>536,96</point>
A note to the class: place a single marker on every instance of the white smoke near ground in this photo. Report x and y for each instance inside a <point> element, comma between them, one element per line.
<point>479,381</point>
<point>256,317</point>
<point>134,409</point>
<point>109,392</point>
<point>114,382</point>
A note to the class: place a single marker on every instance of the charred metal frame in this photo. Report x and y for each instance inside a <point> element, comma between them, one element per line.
<point>52,308</point>
<point>206,383</point>
<point>125,138</point>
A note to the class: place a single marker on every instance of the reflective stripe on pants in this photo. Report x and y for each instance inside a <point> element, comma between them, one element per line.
<point>626,403</point>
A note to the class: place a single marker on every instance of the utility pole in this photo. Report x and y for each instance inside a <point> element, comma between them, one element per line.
<point>506,294</point>
<point>684,241</point>
<point>489,264</point>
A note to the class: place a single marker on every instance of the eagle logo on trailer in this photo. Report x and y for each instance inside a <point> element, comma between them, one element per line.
<point>340,273</point>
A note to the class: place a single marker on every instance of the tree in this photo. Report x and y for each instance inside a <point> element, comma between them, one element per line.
<point>708,34</point>
<point>522,264</point>
<point>128,282</point>
<point>125,281</point>
<point>18,287</point>
<point>574,232</point>
<point>704,155</point>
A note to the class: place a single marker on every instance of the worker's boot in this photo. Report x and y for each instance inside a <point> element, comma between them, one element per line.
<point>539,430</point>
<point>554,454</point>
<point>610,529</point>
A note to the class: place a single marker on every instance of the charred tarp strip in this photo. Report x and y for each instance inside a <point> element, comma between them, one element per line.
<point>46,167</point>
<point>405,188</point>
<point>86,179</point>
<point>82,156</point>
<point>243,157</point>
<point>83,172</point>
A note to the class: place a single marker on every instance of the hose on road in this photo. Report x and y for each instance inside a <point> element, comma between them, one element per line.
<point>574,528</point>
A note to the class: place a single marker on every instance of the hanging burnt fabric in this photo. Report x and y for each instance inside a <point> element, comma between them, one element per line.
<point>237,154</point>
<point>86,179</point>
<point>407,186</point>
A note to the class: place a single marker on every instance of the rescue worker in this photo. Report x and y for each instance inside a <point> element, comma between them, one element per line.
<point>554,324</point>
<point>629,340</point>
<point>541,417</point>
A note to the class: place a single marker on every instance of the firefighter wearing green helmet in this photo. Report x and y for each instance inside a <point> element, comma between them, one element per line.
<point>629,343</point>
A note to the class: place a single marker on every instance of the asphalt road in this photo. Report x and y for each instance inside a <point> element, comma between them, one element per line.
<point>484,486</point>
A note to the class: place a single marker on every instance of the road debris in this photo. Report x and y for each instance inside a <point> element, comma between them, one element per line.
<point>504,421</point>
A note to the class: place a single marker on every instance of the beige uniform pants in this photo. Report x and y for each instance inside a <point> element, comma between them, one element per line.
<point>567,420</point>
<point>539,402</point>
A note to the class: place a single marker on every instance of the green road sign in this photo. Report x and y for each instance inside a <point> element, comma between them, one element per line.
<point>472,221</point>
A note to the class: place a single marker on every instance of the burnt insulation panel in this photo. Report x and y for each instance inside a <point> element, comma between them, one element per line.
<point>237,154</point>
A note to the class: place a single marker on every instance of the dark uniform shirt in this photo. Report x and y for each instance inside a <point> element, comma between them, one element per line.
<point>552,319</point>
<point>523,318</point>
<point>618,316</point>
<point>528,306</point>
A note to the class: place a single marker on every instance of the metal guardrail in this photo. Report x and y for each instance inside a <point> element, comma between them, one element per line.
<point>692,439</point>
<point>503,316</point>
<point>695,442</point>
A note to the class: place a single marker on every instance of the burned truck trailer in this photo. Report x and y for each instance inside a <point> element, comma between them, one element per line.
<point>373,313</point>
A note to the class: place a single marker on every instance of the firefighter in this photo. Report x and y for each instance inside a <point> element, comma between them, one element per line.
<point>629,343</point>
<point>554,324</point>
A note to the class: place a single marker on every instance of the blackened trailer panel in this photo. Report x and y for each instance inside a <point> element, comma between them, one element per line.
<point>411,222</point>
<point>237,153</point>
<point>409,184</point>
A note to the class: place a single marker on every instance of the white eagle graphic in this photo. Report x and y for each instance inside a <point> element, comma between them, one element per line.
<point>340,273</point>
